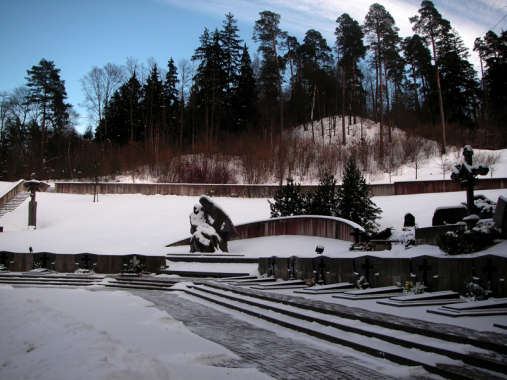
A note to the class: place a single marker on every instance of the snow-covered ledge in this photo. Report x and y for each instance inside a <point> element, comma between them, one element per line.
<point>308,225</point>
<point>11,192</point>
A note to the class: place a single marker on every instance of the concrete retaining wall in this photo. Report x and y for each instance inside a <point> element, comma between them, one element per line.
<point>328,227</point>
<point>309,225</point>
<point>68,263</point>
<point>260,191</point>
<point>15,189</point>
<point>437,273</point>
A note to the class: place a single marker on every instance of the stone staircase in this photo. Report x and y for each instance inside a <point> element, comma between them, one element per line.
<point>450,351</point>
<point>444,350</point>
<point>14,202</point>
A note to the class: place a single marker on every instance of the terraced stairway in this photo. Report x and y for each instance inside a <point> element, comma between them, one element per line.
<point>49,279</point>
<point>14,202</point>
<point>445,350</point>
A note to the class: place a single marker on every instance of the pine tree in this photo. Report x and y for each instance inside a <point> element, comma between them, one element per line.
<point>350,47</point>
<point>354,201</point>
<point>379,27</point>
<point>493,51</point>
<point>245,96</point>
<point>47,94</point>
<point>289,200</point>
<point>171,100</point>
<point>323,200</point>
<point>431,25</point>
<point>271,39</point>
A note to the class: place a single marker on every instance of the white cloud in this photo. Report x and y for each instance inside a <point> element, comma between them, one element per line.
<point>471,18</point>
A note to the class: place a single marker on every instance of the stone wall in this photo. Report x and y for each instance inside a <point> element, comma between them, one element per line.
<point>323,226</point>
<point>15,189</point>
<point>260,191</point>
<point>437,273</point>
<point>68,263</point>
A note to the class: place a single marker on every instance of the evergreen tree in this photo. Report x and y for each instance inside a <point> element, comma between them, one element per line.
<point>431,25</point>
<point>245,98</point>
<point>354,201</point>
<point>47,94</point>
<point>231,47</point>
<point>123,115</point>
<point>460,88</point>
<point>418,58</point>
<point>210,84</point>
<point>171,97</point>
<point>493,52</point>
<point>315,60</point>
<point>271,39</point>
<point>350,48</point>
<point>323,200</point>
<point>153,103</point>
<point>289,200</point>
<point>379,28</point>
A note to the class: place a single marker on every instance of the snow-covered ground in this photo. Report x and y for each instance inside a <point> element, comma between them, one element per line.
<point>5,187</point>
<point>141,224</point>
<point>69,334</point>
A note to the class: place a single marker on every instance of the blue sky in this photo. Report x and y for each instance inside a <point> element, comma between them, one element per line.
<point>78,35</point>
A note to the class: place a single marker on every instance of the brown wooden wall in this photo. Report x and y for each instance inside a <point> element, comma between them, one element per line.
<point>261,191</point>
<point>327,227</point>
<point>323,226</point>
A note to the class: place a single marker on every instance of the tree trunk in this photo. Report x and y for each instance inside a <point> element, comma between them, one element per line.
<point>416,94</point>
<point>440,99</point>
<point>381,103</point>
<point>344,138</point>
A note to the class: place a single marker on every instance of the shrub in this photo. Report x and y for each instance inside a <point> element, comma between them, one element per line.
<point>465,240</point>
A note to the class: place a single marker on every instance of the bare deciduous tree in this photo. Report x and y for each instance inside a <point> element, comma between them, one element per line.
<point>99,86</point>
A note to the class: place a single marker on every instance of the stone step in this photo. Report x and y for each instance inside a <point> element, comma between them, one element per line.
<point>282,283</point>
<point>420,351</point>
<point>255,281</point>
<point>14,203</point>
<point>424,299</point>
<point>327,289</point>
<point>233,279</point>
<point>47,282</point>
<point>223,258</point>
<point>184,273</point>
<point>457,334</point>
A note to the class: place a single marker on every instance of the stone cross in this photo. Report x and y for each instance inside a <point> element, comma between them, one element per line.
<point>466,174</point>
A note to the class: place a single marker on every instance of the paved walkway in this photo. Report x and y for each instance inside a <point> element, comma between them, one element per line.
<point>279,357</point>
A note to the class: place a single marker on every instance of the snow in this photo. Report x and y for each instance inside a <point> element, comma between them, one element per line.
<point>5,187</point>
<point>142,224</point>
<point>81,334</point>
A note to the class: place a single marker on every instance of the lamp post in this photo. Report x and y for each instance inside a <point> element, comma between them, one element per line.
<point>33,186</point>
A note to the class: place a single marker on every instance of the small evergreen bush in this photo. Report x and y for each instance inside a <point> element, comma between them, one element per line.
<point>289,200</point>
<point>482,236</point>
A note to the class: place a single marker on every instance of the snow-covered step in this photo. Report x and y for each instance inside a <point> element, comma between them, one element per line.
<point>327,289</point>
<point>486,340</point>
<point>291,284</point>
<point>139,283</point>
<point>255,281</point>
<point>371,293</point>
<point>391,344</point>
<point>14,202</point>
<point>444,297</point>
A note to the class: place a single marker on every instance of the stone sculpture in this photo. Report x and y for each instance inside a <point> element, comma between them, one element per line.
<point>210,226</point>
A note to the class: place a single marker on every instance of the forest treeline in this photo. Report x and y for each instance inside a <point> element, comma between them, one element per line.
<point>228,99</point>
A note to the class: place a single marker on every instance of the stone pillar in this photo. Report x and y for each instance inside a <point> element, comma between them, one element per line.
<point>32,212</point>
